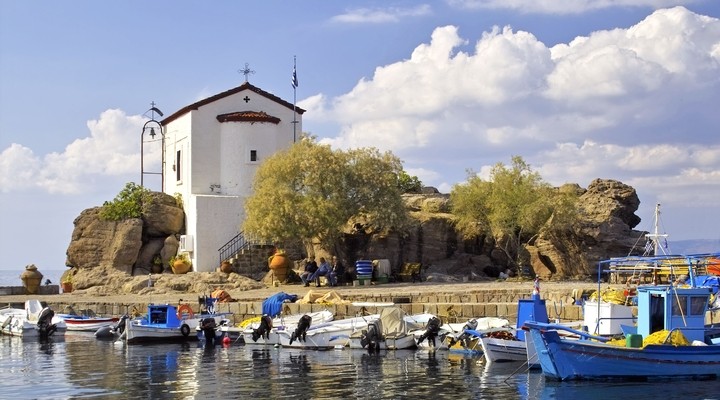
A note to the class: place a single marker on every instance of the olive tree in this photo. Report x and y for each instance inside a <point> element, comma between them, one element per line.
<point>312,191</point>
<point>514,206</point>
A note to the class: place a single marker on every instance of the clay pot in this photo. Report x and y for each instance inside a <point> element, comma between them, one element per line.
<point>31,278</point>
<point>226,267</point>
<point>67,287</point>
<point>180,267</point>
<point>279,264</point>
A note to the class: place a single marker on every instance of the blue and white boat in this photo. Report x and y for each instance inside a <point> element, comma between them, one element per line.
<point>167,323</point>
<point>677,313</point>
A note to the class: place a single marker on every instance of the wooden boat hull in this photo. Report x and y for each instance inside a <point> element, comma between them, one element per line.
<point>568,359</point>
<point>503,350</point>
<point>139,330</point>
<point>90,324</point>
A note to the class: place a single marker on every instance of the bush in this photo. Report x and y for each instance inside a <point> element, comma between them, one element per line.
<point>127,204</point>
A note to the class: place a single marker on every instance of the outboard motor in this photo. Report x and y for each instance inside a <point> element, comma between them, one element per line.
<point>371,338</point>
<point>301,330</point>
<point>44,324</point>
<point>109,332</point>
<point>432,329</point>
<point>470,325</point>
<point>208,327</point>
<point>264,329</point>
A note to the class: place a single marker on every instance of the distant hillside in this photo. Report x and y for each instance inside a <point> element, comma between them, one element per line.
<point>695,246</point>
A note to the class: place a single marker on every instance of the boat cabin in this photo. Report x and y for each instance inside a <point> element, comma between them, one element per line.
<point>666,308</point>
<point>163,314</point>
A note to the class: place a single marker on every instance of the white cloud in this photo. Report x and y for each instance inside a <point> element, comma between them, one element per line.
<point>638,105</point>
<point>381,15</point>
<point>561,6</point>
<point>112,149</point>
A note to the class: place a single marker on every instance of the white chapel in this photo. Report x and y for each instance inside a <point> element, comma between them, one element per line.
<point>212,149</point>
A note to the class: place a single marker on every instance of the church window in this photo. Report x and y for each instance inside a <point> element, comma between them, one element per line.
<point>178,160</point>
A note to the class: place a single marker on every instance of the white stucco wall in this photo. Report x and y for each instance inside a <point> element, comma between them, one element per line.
<point>216,220</point>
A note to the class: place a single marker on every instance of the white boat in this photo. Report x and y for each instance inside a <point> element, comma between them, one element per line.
<point>33,321</point>
<point>449,334</point>
<point>166,323</point>
<point>279,323</point>
<point>506,344</point>
<point>392,331</point>
<point>86,323</point>
<point>328,335</point>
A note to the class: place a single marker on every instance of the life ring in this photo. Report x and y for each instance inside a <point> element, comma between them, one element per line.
<point>185,330</point>
<point>185,309</point>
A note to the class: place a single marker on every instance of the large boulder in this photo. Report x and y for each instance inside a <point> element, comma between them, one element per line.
<point>131,245</point>
<point>162,215</point>
<point>98,242</point>
<point>603,230</point>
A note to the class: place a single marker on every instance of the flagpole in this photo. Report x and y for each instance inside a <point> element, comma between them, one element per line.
<point>294,85</point>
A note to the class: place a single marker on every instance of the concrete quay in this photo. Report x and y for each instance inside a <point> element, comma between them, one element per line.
<point>453,302</point>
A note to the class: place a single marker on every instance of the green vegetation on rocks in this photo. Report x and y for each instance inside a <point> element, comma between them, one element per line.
<point>127,204</point>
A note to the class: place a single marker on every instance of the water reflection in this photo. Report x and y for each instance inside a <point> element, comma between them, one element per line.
<point>81,366</point>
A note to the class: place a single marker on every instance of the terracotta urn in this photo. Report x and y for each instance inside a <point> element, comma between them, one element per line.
<point>31,278</point>
<point>279,263</point>
<point>226,267</point>
<point>67,287</point>
<point>180,267</point>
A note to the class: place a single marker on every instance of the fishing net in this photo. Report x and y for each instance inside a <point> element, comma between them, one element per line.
<point>610,295</point>
<point>675,339</point>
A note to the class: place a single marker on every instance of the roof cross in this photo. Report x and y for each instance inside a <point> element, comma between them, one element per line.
<point>246,71</point>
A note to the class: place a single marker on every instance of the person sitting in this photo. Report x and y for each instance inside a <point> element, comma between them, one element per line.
<point>337,274</point>
<point>310,268</point>
<point>323,270</point>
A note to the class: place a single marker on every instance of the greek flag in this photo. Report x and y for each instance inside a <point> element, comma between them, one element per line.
<point>294,78</point>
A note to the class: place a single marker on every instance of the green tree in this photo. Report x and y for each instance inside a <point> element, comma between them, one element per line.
<point>311,191</point>
<point>514,206</point>
<point>127,204</point>
<point>409,183</point>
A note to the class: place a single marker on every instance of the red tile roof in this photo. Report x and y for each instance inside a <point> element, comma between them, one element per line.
<point>248,116</point>
<point>211,99</point>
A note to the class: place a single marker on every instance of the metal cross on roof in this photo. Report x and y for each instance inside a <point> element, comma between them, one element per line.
<point>246,71</point>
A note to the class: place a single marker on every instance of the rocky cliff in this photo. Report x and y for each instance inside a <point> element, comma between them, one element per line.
<point>604,229</point>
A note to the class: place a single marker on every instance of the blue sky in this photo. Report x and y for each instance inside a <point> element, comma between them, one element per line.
<point>581,89</point>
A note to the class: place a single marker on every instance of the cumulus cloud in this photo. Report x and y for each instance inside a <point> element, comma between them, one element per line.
<point>561,6</point>
<point>112,149</point>
<point>381,15</point>
<point>636,104</point>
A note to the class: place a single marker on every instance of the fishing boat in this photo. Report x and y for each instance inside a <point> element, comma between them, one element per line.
<point>504,344</point>
<point>244,331</point>
<point>675,313</point>
<point>167,323</point>
<point>448,334</point>
<point>328,335</point>
<point>33,321</point>
<point>88,323</point>
<point>392,331</point>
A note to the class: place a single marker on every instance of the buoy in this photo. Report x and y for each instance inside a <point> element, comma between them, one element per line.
<point>226,340</point>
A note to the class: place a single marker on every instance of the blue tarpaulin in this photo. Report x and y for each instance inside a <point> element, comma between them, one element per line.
<point>272,306</point>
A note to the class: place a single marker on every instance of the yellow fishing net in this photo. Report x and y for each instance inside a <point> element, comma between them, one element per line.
<point>247,322</point>
<point>676,339</point>
<point>610,295</point>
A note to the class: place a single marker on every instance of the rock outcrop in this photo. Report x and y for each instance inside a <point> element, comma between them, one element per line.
<point>603,229</point>
<point>133,246</point>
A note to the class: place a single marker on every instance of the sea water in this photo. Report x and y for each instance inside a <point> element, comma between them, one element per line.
<point>80,366</point>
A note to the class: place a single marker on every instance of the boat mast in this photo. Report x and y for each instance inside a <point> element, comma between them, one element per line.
<point>656,235</point>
